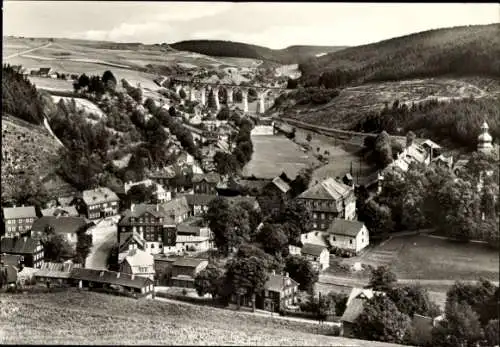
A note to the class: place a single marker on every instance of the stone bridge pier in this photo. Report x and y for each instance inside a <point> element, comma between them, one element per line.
<point>261,96</point>
<point>229,93</point>
<point>244,94</point>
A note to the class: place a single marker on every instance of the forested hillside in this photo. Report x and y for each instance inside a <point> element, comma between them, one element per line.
<point>216,48</point>
<point>20,98</point>
<point>454,123</point>
<point>458,51</point>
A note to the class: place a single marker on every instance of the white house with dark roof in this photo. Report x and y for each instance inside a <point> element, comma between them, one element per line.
<point>317,255</point>
<point>327,200</point>
<point>348,234</point>
<point>18,220</point>
<point>100,203</point>
<point>137,262</point>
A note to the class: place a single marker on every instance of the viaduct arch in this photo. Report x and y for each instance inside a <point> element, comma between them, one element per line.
<point>195,88</point>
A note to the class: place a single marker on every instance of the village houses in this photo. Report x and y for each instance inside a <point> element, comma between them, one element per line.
<point>184,270</point>
<point>348,234</point>
<point>68,227</point>
<point>18,220</point>
<point>29,248</point>
<point>206,183</point>
<point>279,290</point>
<point>327,200</point>
<point>100,203</point>
<point>137,262</point>
<point>318,255</point>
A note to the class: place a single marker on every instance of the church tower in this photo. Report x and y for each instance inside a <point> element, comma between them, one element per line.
<point>484,141</point>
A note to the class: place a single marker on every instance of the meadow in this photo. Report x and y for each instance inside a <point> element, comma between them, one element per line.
<point>276,154</point>
<point>92,318</point>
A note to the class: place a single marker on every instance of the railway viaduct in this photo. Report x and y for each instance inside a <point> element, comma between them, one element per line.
<point>197,87</point>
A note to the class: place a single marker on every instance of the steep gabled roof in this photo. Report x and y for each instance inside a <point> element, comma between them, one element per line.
<point>353,310</point>
<point>22,245</point>
<point>328,189</point>
<point>99,195</point>
<point>136,257</point>
<point>312,249</point>
<point>281,184</point>
<point>19,212</point>
<point>345,227</point>
<point>275,282</point>
<point>199,199</point>
<point>211,177</point>
<point>188,262</point>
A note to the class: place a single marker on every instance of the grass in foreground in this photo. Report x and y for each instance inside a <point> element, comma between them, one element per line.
<point>74,317</point>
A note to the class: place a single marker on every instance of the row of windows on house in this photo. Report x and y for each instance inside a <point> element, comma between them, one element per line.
<point>320,203</point>
<point>103,205</point>
<point>19,228</point>
<point>320,225</point>
<point>146,220</point>
<point>20,220</point>
<point>329,216</point>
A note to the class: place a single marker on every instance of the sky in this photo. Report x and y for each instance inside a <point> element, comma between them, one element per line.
<point>274,25</point>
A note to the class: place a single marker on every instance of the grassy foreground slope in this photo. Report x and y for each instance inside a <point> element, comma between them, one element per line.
<point>466,50</point>
<point>217,48</point>
<point>91,318</point>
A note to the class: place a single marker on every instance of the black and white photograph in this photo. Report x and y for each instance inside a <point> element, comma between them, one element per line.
<point>250,174</point>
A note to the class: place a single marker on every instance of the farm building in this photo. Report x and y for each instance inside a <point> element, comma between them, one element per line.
<point>111,281</point>
<point>348,234</point>
<point>56,274</point>
<point>184,270</point>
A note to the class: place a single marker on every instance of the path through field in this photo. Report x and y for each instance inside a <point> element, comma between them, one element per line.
<point>27,51</point>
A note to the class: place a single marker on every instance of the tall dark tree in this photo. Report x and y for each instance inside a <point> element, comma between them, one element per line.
<point>382,279</point>
<point>273,239</point>
<point>109,80</point>
<point>209,280</point>
<point>381,321</point>
<point>247,276</point>
<point>301,270</point>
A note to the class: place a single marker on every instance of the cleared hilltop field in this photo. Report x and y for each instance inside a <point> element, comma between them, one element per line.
<point>92,318</point>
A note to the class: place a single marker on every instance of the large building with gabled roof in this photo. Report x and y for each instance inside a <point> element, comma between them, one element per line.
<point>328,200</point>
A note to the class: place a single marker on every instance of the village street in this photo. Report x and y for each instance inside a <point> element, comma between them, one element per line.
<point>103,238</point>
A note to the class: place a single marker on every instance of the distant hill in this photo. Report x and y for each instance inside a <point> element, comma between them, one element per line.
<point>217,48</point>
<point>458,51</point>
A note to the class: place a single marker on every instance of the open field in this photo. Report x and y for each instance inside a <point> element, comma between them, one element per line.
<point>275,154</point>
<point>339,159</point>
<point>353,103</point>
<point>120,55</point>
<point>26,148</point>
<point>427,258</point>
<point>51,84</point>
<point>84,104</point>
<point>92,318</point>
